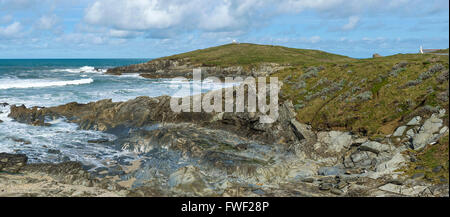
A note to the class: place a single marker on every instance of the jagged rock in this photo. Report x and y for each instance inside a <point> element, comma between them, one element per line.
<point>335,141</point>
<point>374,147</point>
<point>402,190</point>
<point>330,171</point>
<point>362,159</point>
<point>443,130</point>
<point>427,132</point>
<point>418,176</point>
<point>336,191</point>
<point>389,167</point>
<point>432,125</point>
<point>12,163</point>
<point>399,132</point>
<point>20,140</point>
<point>421,140</point>
<point>442,113</point>
<point>98,141</point>
<point>54,151</point>
<point>308,180</point>
<point>302,131</point>
<point>1,121</point>
<point>410,133</point>
<point>167,68</point>
<point>415,121</point>
<point>325,186</point>
<point>189,179</point>
<point>106,115</point>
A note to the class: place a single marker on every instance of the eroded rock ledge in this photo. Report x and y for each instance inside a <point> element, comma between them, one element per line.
<point>167,68</point>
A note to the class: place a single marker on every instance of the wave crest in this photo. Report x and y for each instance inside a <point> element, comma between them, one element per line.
<point>84,69</point>
<point>36,83</point>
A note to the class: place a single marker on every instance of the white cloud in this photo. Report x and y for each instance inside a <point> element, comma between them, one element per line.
<point>11,31</point>
<point>221,15</point>
<point>123,33</point>
<point>47,22</point>
<point>353,21</point>
<point>226,15</point>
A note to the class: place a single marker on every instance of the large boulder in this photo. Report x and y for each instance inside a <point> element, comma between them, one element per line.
<point>12,163</point>
<point>428,133</point>
<point>399,132</point>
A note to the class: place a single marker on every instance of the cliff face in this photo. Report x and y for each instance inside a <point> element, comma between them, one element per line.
<point>171,68</point>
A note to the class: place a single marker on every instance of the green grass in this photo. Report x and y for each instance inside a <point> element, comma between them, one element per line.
<point>441,51</point>
<point>365,96</point>
<point>390,103</point>
<point>428,159</point>
<point>251,54</point>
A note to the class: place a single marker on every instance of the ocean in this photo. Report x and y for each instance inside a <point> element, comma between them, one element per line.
<point>52,82</point>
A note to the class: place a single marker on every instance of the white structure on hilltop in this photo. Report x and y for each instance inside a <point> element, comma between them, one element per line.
<point>235,42</point>
<point>423,51</point>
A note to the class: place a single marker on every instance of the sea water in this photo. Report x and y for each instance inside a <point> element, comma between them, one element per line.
<point>52,82</point>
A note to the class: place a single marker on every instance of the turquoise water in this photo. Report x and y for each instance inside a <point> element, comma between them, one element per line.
<point>55,82</point>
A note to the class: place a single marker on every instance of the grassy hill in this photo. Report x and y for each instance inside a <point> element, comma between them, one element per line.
<point>368,96</point>
<point>441,51</point>
<point>249,54</point>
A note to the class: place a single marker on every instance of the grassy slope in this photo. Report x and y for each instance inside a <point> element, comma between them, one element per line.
<point>250,54</point>
<point>365,96</point>
<point>329,98</point>
<point>429,159</point>
<point>442,51</point>
<point>379,115</point>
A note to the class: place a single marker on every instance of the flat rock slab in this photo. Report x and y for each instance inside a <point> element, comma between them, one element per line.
<point>412,191</point>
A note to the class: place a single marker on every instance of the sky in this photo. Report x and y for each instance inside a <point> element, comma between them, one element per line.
<point>156,28</point>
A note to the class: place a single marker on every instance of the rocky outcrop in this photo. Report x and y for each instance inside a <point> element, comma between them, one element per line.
<point>51,180</point>
<point>210,148</point>
<point>171,68</point>
<point>109,116</point>
<point>11,163</point>
<point>376,55</point>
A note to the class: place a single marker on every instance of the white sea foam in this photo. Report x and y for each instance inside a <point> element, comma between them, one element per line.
<point>84,69</point>
<point>39,83</point>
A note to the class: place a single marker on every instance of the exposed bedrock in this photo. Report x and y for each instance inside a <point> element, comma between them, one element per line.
<point>167,68</point>
<point>228,153</point>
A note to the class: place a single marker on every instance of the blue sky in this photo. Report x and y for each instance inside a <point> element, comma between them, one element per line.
<point>155,28</point>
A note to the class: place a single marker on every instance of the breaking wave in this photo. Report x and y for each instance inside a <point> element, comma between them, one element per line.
<point>38,83</point>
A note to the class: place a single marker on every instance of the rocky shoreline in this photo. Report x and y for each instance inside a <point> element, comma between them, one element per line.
<point>232,154</point>
<point>171,68</point>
